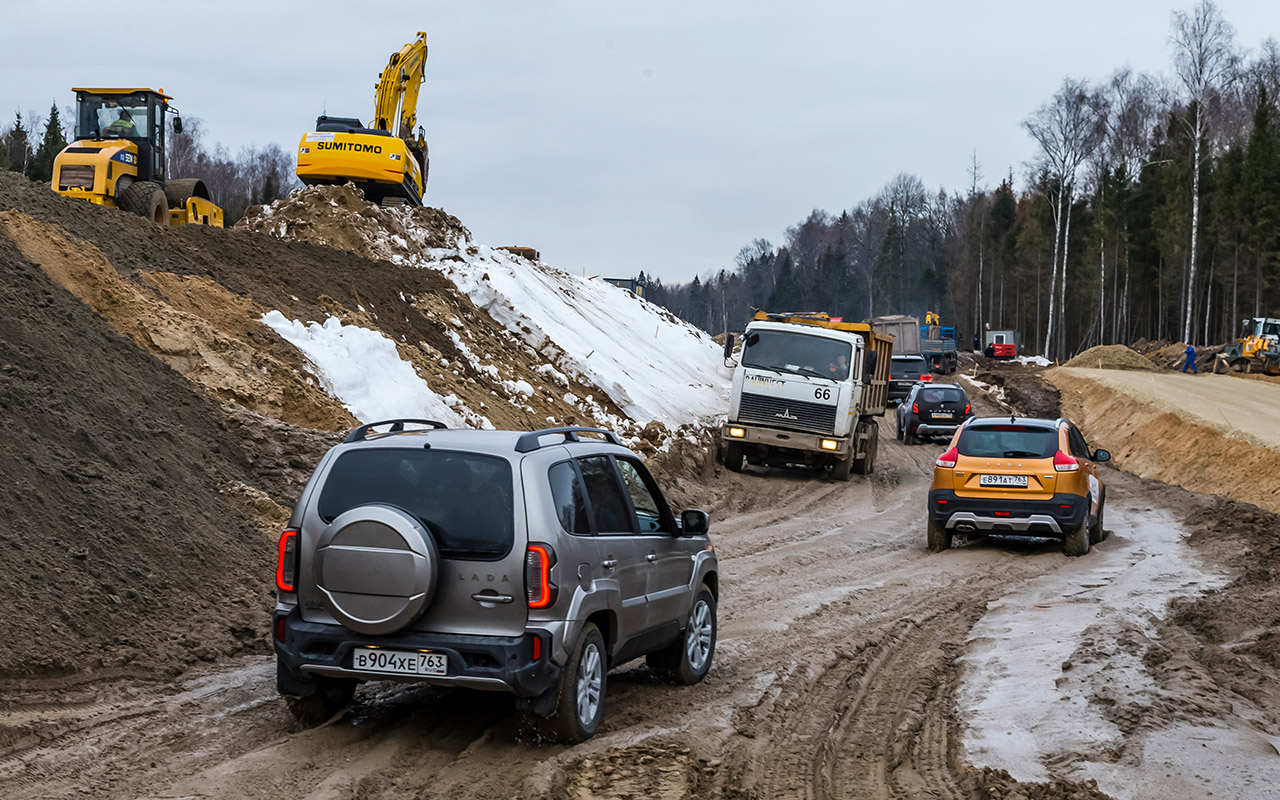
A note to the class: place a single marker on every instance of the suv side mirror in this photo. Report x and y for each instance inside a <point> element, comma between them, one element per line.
<point>728,346</point>
<point>694,522</point>
<point>1101,455</point>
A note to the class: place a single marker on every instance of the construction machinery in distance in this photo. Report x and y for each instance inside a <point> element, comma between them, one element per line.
<point>389,168</point>
<point>118,159</point>
<point>1257,349</point>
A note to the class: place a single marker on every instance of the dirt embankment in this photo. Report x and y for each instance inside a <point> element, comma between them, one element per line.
<point>113,503</point>
<point>1111,356</point>
<point>1207,434</point>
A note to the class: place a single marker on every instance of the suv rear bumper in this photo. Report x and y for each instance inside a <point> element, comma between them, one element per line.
<point>1053,518</point>
<point>494,663</point>
<point>937,428</point>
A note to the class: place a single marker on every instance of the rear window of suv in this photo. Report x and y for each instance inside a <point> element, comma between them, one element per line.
<point>908,366</point>
<point>464,499</point>
<point>940,396</point>
<point>1008,441</point>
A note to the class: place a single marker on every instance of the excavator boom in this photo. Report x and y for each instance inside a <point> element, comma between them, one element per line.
<point>387,160</point>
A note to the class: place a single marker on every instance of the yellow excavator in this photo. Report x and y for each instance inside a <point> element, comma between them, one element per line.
<point>389,168</point>
<point>118,159</point>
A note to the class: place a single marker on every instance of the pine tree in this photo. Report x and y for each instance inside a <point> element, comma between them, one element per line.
<point>1262,190</point>
<point>40,167</point>
<point>16,146</point>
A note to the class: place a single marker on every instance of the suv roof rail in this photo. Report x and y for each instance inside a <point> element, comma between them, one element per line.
<point>397,426</point>
<point>531,441</point>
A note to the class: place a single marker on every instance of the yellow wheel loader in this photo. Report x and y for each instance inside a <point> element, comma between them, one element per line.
<point>118,159</point>
<point>389,168</point>
<point>1257,350</point>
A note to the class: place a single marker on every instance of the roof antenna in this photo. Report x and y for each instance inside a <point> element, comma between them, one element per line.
<point>1012,419</point>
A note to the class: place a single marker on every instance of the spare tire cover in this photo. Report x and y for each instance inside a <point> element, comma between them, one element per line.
<point>376,568</point>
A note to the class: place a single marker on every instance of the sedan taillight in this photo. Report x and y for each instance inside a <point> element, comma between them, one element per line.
<point>948,459</point>
<point>539,590</point>
<point>287,561</point>
<point>1064,463</point>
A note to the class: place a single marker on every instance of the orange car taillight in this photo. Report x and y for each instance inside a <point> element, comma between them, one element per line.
<point>287,561</point>
<point>1064,463</point>
<point>948,459</point>
<point>539,590</point>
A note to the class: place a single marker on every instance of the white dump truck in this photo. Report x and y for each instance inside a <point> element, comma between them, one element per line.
<point>807,390</point>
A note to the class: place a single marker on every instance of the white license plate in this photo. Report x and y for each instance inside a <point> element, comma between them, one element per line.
<point>399,662</point>
<point>1017,481</point>
<point>943,415</point>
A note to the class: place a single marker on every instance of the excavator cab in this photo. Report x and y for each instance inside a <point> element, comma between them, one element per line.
<point>118,159</point>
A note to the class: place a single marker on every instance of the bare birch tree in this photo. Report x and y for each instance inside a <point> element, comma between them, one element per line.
<point>1068,130</point>
<point>1204,58</point>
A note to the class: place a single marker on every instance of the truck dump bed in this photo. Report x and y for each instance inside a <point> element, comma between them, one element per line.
<point>904,330</point>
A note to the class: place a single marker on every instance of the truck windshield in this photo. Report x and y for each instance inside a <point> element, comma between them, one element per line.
<point>798,353</point>
<point>1271,328</point>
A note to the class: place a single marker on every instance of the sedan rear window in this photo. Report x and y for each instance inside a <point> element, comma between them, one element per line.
<point>464,499</point>
<point>940,396</point>
<point>1008,441</point>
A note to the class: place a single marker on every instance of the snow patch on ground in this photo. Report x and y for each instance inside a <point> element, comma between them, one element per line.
<point>1027,705</point>
<point>1038,361</point>
<point>364,371</point>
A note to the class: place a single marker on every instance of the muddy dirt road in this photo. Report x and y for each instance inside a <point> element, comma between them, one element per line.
<point>835,676</point>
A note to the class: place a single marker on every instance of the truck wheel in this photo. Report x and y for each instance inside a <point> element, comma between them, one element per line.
<point>841,469</point>
<point>867,464</point>
<point>938,538</point>
<point>1077,541</point>
<point>146,199</point>
<point>580,702</point>
<point>734,453</point>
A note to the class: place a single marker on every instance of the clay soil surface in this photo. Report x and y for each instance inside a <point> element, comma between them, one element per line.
<point>836,675</point>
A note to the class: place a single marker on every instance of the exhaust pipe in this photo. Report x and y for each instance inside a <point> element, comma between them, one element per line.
<point>965,527</point>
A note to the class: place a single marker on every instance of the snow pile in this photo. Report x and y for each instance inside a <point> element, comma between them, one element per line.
<point>363,370</point>
<point>1048,671</point>
<point>1037,361</point>
<point>650,364</point>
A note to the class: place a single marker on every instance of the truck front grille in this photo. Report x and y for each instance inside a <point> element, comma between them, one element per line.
<point>782,413</point>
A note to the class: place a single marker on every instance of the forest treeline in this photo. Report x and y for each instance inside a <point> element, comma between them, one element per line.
<point>254,175</point>
<point>1152,209</point>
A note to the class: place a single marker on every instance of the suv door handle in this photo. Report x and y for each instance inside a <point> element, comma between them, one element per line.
<point>651,557</point>
<point>481,597</point>
<point>609,563</point>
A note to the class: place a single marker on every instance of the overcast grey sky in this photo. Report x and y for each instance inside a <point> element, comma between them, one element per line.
<point>616,137</point>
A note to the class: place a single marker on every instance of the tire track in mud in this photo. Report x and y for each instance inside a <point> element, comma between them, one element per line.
<point>872,723</point>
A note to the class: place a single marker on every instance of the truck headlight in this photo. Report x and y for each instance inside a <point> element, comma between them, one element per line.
<point>829,444</point>
<point>737,433</point>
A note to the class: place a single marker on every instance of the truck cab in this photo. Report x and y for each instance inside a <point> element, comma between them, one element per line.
<point>805,392</point>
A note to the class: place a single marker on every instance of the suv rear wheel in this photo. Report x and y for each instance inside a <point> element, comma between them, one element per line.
<point>1077,541</point>
<point>938,538</point>
<point>331,696</point>
<point>580,702</point>
<point>688,660</point>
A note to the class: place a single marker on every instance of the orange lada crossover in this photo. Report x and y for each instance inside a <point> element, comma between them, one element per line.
<point>1016,476</point>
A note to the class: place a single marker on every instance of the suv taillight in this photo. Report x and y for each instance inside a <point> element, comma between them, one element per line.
<point>539,590</point>
<point>915,408</point>
<point>967,408</point>
<point>287,561</point>
<point>948,459</point>
<point>926,378</point>
<point>1064,463</point>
